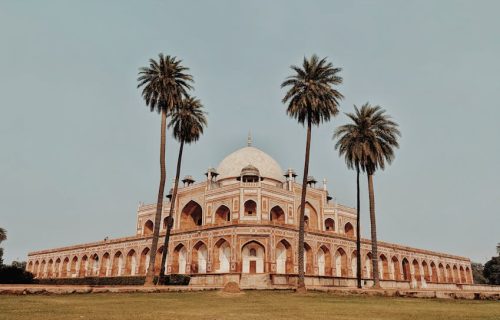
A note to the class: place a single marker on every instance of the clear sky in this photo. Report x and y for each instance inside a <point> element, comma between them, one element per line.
<point>79,149</point>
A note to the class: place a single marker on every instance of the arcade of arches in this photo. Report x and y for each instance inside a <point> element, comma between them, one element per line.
<point>229,224</point>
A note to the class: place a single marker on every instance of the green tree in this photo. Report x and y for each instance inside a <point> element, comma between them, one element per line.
<point>312,99</point>
<point>492,271</point>
<point>164,84</point>
<point>187,122</point>
<point>350,145</point>
<point>477,273</point>
<point>377,139</point>
<point>3,236</point>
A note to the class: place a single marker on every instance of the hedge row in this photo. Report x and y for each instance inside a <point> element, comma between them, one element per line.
<point>109,281</point>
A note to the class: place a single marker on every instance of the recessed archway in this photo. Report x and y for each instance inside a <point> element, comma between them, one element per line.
<point>117,267</point>
<point>395,269</point>
<point>131,263</point>
<point>199,258</point>
<point>148,228</point>
<point>73,267</point>
<point>354,263</point>
<point>179,259</point>
<point>222,256</point>
<point>308,259</point>
<point>383,268</point>
<point>57,268</point>
<point>191,216</point>
<point>330,225</point>
<point>340,263</point>
<point>449,274</point>
<point>310,217</point>
<point>222,215</point>
<point>435,275</point>
<point>368,266</point>
<point>105,268</point>
<point>462,275</point>
<point>94,265</point>
<point>324,261</point>
<point>284,257</point>
<point>250,208</point>
<point>456,277</point>
<point>144,261</point>
<point>416,270</point>
<point>277,215</point>
<point>406,270</point>
<point>349,230</point>
<point>84,264</point>
<point>253,256</point>
<point>65,268</point>
<point>426,272</point>
<point>50,268</point>
<point>442,274</point>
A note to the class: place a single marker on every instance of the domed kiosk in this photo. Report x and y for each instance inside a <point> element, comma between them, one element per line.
<point>240,224</point>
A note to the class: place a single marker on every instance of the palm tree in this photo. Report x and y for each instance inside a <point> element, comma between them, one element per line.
<point>187,122</point>
<point>374,136</point>
<point>3,236</point>
<point>311,100</point>
<point>349,145</point>
<point>164,83</point>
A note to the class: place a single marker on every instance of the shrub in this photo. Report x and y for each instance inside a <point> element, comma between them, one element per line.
<point>176,280</point>
<point>14,274</point>
<point>95,281</point>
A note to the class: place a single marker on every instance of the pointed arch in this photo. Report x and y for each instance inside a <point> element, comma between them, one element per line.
<point>94,264</point>
<point>449,274</point>
<point>221,258</point>
<point>65,268</point>
<point>340,263</point>
<point>57,268</point>
<point>434,275</point>
<point>349,230</point>
<point>50,268</point>
<point>105,269</point>
<point>117,267</point>
<point>462,275</point>
<point>456,277</point>
<point>144,261</point>
<point>73,267</point>
<point>330,225</point>
<point>310,217</point>
<point>131,263</point>
<point>191,216</point>
<point>308,259</point>
<point>442,274</point>
<point>199,257</point>
<point>179,259</point>
<point>277,215</point>
<point>84,263</point>
<point>284,257</point>
<point>406,269</point>
<point>250,208</point>
<point>425,271</point>
<point>368,270</point>
<point>468,277</point>
<point>416,271</point>
<point>222,215</point>
<point>383,267</point>
<point>253,257</point>
<point>354,263</point>
<point>324,261</point>
<point>148,228</point>
<point>395,269</point>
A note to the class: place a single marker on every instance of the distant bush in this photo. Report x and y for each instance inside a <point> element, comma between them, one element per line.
<point>14,274</point>
<point>176,280</point>
<point>95,281</point>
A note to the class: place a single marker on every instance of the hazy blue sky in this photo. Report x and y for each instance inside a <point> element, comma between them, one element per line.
<point>79,149</point>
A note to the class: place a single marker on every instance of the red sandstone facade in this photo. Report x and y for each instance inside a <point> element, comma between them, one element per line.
<point>241,224</point>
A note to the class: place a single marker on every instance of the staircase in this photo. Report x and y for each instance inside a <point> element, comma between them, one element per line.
<point>255,281</point>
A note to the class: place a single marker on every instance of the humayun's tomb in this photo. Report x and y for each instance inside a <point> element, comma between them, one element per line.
<point>241,224</point>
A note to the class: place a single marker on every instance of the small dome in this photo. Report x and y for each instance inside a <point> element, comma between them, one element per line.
<point>250,171</point>
<point>232,165</point>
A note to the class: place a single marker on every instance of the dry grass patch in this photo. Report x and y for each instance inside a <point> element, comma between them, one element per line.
<point>249,305</point>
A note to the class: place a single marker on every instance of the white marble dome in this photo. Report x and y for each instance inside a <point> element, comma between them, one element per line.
<point>231,166</point>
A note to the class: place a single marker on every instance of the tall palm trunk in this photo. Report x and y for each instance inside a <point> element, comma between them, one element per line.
<point>301,282</point>
<point>373,225</point>
<point>358,231</point>
<point>159,204</point>
<point>170,219</point>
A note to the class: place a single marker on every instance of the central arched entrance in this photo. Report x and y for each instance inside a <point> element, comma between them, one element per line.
<point>252,255</point>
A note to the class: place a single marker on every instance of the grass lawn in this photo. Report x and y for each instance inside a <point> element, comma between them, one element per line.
<point>248,305</point>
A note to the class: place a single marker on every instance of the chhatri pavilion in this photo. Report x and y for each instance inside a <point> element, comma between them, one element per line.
<point>241,224</point>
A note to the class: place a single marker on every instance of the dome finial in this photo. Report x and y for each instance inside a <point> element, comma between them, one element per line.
<point>249,139</point>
